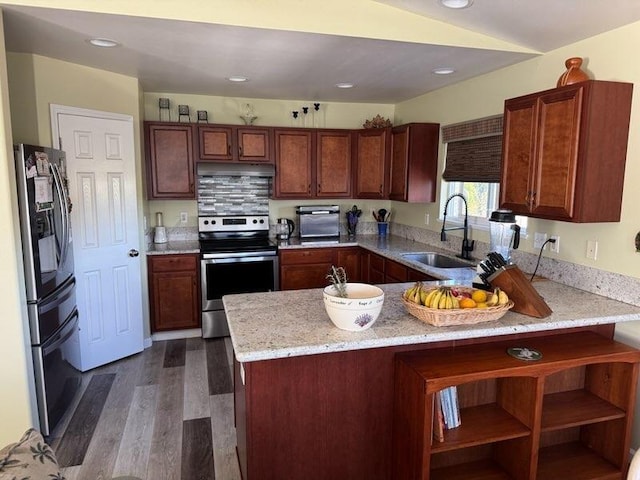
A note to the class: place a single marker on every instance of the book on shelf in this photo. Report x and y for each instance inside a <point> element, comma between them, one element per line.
<point>446,412</point>
<point>438,419</point>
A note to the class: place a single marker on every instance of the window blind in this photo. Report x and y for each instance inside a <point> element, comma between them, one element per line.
<point>474,150</point>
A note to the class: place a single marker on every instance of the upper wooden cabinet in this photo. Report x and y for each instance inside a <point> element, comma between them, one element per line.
<point>234,144</point>
<point>414,162</point>
<point>372,156</point>
<point>294,164</point>
<point>333,164</point>
<point>564,152</point>
<point>170,160</point>
<point>313,163</point>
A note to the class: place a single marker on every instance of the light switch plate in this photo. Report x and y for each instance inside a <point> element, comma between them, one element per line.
<point>184,217</point>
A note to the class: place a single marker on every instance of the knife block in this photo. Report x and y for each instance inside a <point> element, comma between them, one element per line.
<point>527,300</point>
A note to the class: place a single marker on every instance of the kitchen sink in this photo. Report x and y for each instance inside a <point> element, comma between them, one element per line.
<point>436,260</point>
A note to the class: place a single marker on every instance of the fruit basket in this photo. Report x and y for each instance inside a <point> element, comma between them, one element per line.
<point>440,317</point>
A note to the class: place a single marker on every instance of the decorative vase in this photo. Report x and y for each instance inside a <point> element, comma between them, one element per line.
<point>574,73</point>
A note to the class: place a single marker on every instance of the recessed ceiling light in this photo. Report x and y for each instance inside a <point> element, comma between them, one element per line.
<point>456,3</point>
<point>344,85</point>
<point>237,79</point>
<point>443,71</point>
<point>103,42</point>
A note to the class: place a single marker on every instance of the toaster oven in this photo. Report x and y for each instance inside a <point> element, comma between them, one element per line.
<point>318,221</point>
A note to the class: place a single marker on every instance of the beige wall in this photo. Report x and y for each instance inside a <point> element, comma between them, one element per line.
<point>606,58</point>
<point>17,411</point>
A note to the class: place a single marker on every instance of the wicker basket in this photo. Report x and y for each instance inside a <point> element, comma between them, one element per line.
<point>457,316</point>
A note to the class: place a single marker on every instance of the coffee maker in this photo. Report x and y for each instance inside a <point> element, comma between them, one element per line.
<point>504,233</point>
<point>284,228</point>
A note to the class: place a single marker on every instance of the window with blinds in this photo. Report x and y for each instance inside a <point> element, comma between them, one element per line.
<point>474,150</point>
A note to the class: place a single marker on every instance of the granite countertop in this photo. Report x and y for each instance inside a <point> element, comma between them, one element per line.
<point>293,323</point>
<point>174,247</point>
<point>392,247</point>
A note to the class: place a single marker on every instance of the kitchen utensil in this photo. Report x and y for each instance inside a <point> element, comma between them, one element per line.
<point>504,233</point>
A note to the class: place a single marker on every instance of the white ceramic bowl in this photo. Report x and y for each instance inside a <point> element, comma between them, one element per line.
<point>358,311</point>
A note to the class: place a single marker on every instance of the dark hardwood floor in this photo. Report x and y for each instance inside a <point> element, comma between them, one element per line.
<point>166,413</point>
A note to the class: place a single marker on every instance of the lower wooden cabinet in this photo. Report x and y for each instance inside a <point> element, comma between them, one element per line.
<point>566,415</point>
<point>378,269</point>
<point>174,294</point>
<point>309,267</point>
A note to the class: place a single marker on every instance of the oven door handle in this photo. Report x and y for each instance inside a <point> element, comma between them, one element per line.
<point>209,261</point>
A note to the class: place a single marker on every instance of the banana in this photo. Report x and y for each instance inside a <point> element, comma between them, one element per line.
<point>449,303</point>
<point>456,302</point>
<point>435,301</point>
<point>495,298</point>
<point>443,300</point>
<point>426,302</point>
<point>408,293</point>
<point>423,295</point>
<point>503,298</point>
<point>415,296</point>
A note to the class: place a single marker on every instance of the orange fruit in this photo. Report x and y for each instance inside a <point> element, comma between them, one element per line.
<point>467,303</point>
<point>479,296</point>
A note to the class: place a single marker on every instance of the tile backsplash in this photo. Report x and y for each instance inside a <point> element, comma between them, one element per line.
<point>233,195</point>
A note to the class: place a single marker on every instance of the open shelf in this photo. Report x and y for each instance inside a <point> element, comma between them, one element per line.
<point>574,461</point>
<point>574,408</point>
<point>567,416</point>
<point>480,470</point>
<point>481,424</point>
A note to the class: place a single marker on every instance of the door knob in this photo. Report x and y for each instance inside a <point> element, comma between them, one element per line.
<point>133,252</point>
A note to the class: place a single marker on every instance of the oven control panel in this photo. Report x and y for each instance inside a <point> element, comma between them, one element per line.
<point>233,223</point>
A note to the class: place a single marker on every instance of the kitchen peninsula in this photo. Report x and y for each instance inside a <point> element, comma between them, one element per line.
<point>316,402</point>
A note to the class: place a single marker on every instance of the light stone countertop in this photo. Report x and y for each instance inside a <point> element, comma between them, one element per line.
<point>174,247</point>
<point>392,247</point>
<point>291,323</point>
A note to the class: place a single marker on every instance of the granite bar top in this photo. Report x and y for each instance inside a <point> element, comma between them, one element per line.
<point>292,323</point>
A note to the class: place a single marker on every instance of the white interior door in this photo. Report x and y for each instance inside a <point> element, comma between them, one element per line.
<point>102,186</point>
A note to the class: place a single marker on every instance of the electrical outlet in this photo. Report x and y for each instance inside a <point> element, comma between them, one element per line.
<point>426,219</point>
<point>592,249</point>
<point>539,239</point>
<point>184,217</point>
<point>555,247</point>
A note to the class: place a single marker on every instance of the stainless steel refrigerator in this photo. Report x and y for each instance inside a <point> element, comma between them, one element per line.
<point>45,209</point>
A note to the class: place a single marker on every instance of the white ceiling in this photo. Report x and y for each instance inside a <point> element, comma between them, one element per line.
<point>173,56</point>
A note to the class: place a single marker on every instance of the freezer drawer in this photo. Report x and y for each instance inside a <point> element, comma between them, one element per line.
<point>47,316</point>
<point>57,381</point>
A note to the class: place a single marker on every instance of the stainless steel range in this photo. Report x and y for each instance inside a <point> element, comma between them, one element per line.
<point>236,256</point>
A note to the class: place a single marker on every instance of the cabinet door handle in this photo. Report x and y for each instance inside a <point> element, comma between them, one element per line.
<point>309,189</point>
<point>240,150</point>
<point>229,149</point>
<point>319,190</point>
<point>380,189</point>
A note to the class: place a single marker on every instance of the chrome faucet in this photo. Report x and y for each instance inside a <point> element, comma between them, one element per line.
<point>466,245</point>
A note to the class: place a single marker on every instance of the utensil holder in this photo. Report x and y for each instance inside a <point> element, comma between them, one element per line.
<point>383,228</point>
<point>513,282</point>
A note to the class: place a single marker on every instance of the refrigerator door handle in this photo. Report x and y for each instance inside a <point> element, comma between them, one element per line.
<point>64,207</point>
<point>62,336</point>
